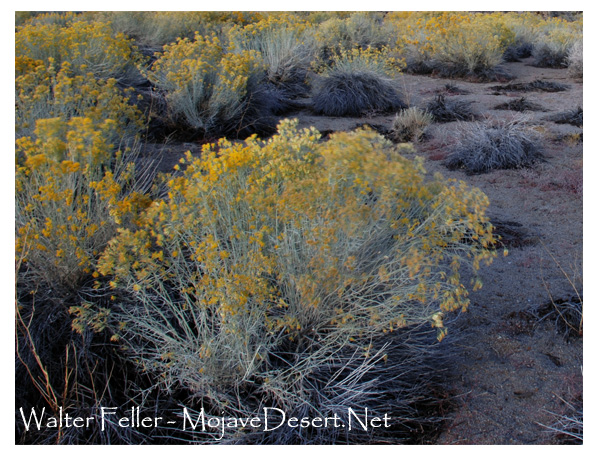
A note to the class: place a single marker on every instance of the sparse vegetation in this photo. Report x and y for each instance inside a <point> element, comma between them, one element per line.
<point>539,85</point>
<point>572,117</point>
<point>410,125</point>
<point>275,267</point>
<point>521,104</point>
<point>444,109</point>
<point>575,60</point>
<point>495,144</point>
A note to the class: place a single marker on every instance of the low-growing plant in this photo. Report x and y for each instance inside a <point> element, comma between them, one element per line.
<point>358,83</point>
<point>495,144</point>
<point>410,124</point>
<point>572,117</point>
<point>448,109</point>
<point>538,85</point>
<point>275,272</point>
<point>521,104</point>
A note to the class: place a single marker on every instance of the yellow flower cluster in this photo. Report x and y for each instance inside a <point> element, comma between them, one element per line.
<point>455,43</point>
<point>87,46</point>
<point>45,92</point>
<point>65,199</point>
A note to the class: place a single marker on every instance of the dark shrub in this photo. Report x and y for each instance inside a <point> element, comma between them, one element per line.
<point>572,117</point>
<point>356,94</point>
<point>521,104</point>
<point>447,110</point>
<point>492,145</point>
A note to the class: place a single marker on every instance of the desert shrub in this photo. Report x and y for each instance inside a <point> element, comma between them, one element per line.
<point>526,28</point>
<point>572,117</point>
<point>568,426</point>
<point>286,49</point>
<point>272,268</point>
<point>68,198</point>
<point>575,60</point>
<point>86,46</point>
<point>357,83</point>
<point>361,29</point>
<point>154,29</point>
<point>495,144</point>
<point>452,44</point>
<point>451,89</point>
<point>45,91</point>
<point>448,109</point>
<point>553,46</point>
<point>538,85</point>
<point>521,104</point>
<point>410,124</point>
<point>205,87</point>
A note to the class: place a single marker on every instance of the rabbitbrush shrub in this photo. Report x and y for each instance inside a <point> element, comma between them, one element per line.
<point>276,273</point>
<point>575,60</point>
<point>69,196</point>
<point>452,44</point>
<point>45,91</point>
<point>284,45</point>
<point>86,46</point>
<point>552,47</point>
<point>206,87</point>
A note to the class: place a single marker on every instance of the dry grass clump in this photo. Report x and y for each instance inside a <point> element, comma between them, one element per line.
<point>538,85</point>
<point>572,117</point>
<point>451,89</point>
<point>447,109</point>
<point>521,104</point>
<point>495,144</point>
<point>410,125</point>
<point>278,272</point>
<point>357,84</point>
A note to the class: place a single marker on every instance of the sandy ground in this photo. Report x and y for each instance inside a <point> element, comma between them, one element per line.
<point>511,371</point>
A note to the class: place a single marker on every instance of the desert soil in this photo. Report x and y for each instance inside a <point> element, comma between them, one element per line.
<point>512,371</point>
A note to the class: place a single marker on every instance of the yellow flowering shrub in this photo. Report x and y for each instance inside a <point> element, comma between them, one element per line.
<point>556,39</point>
<point>204,84</point>
<point>86,46</point>
<point>360,29</point>
<point>461,44</point>
<point>290,250</point>
<point>45,91</point>
<point>69,198</point>
<point>283,43</point>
